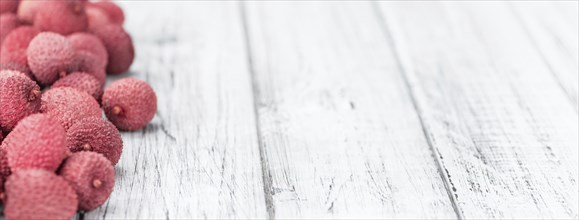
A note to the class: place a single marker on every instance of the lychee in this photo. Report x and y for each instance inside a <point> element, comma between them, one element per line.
<point>27,10</point>
<point>8,6</point>
<point>16,61</point>
<point>39,194</point>
<point>4,167</point>
<point>8,22</point>
<point>90,43</point>
<point>19,97</point>
<point>38,141</point>
<point>96,16</point>
<point>68,105</point>
<point>50,56</point>
<point>98,135</point>
<point>89,63</point>
<point>119,47</point>
<point>83,82</point>
<point>63,17</point>
<point>4,170</point>
<point>92,176</point>
<point>114,12</point>
<point>18,39</point>
<point>129,103</point>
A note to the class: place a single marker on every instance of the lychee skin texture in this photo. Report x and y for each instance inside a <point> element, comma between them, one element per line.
<point>129,103</point>
<point>8,6</point>
<point>90,43</point>
<point>4,167</point>
<point>97,135</point>
<point>18,39</point>
<point>63,17</point>
<point>27,10</point>
<point>50,56</point>
<point>8,22</point>
<point>119,47</point>
<point>82,82</point>
<point>89,63</point>
<point>19,97</point>
<point>92,176</point>
<point>16,61</point>
<point>37,142</point>
<point>96,16</point>
<point>69,105</point>
<point>4,170</point>
<point>114,12</point>
<point>39,194</point>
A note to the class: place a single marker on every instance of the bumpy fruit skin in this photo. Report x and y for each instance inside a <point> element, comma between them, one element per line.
<point>4,167</point>
<point>68,105</point>
<point>4,170</point>
<point>119,47</point>
<point>18,39</point>
<point>97,135</point>
<point>8,6</point>
<point>19,97</point>
<point>89,63</point>
<point>114,12</point>
<point>8,22</point>
<point>92,176</point>
<point>27,10</point>
<point>62,16</point>
<point>129,103</point>
<point>90,43</point>
<point>39,194</point>
<point>96,16</point>
<point>13,51</point>
<point>82,82</point>
<point>16,61</point>
<point>50,56</point>
<point>37,142</point>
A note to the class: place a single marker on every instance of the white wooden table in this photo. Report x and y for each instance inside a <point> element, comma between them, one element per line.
<point>353,109</point>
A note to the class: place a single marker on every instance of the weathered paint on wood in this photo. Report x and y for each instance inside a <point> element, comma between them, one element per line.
<point>554,31</point>
<point>199,158</point>
<point>353,109</point>
<point>504,130</point>
<point>340,136</point>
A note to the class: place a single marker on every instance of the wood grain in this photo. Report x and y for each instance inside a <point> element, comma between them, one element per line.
<point>199,158</point>
<point>339,134</point>
<point>503,129</point>
<point>554,31</point>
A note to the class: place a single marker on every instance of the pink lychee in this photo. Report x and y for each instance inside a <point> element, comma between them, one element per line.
<point>37,142</point>
<point>129,103</point>
<point>69,105</point>
<point>92,176</point>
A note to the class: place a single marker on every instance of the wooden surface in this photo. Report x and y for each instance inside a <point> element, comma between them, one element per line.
<point>353,109</point>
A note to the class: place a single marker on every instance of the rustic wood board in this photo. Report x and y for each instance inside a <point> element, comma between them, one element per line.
<point>340,135</point>
<point>504,130</point>
<point>554,31</point>
<point>199,157</point>
<point>353,109</point>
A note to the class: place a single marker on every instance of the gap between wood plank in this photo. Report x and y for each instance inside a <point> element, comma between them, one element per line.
<point>443,173</point>
<point>265,171</point>
<point>533,41</point>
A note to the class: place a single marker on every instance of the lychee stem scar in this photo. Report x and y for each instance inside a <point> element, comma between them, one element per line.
<point>97,183</point>
<point>117,110</point>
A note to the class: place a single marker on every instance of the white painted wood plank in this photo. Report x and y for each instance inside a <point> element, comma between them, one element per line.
<point>504,130</point>
<point>339,133</point>
<point>555,33</point>
<point>199,158</point>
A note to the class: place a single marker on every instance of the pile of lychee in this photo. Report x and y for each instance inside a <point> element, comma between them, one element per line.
<point>58,152</point>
